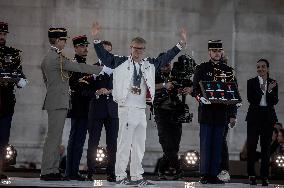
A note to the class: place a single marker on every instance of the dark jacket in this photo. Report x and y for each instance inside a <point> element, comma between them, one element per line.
<point>102,106</point>
<point>79,102</point>
<point>216,114</point>
<point>254,95</point>
<point>10,61</point>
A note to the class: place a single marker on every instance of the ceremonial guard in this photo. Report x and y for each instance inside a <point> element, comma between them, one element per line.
<point>57,69</point>
<point>212,117</point>
<point>78,111</point>
<point>11,75</point>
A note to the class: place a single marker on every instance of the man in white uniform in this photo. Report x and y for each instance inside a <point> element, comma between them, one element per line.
<point>133,78</point>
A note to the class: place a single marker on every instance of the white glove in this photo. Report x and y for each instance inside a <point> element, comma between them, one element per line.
<point>204,101</point>
<point>22,83</point>
<point>107,70</point>
<point>94,76</point>
<point>239,105</point>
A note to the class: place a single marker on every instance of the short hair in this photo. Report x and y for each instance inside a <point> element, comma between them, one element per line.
<point>139,40</point>
<point>108,43</point>
<point>52,40</point>
<point>264,60</point>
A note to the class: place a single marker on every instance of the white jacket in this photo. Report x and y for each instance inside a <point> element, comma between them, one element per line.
<point>122,77</point>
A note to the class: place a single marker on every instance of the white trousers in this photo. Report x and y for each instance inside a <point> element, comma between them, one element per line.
<point>131,139</point>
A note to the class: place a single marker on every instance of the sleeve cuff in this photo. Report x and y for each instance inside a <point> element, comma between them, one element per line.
<point>97,41</point>
<point>179,46</point>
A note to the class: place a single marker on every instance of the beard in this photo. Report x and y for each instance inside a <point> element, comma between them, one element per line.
<point>216,58</point>
<point>2,42</point>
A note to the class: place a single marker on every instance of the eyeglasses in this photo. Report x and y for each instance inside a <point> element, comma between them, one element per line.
<point>138,48</point>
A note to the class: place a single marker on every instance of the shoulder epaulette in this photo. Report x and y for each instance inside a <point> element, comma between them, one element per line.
<point>201,64</point>
<point>10,50</point>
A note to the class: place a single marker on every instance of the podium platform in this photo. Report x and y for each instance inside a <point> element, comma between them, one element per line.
<point>186,183</point>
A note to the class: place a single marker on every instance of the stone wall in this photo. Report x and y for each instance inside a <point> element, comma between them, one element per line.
<point>249,29</point>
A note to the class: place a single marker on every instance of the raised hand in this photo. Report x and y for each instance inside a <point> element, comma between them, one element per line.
<point>96,28</point>
<point>271,85</point>
<point>183,35</point>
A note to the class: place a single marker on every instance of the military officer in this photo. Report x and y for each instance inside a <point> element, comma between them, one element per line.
<point>212,117</point>
<point>56,69</point>
<point>10,62</point>
<point>78,112</point>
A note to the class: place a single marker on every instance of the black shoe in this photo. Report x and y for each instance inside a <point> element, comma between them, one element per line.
<point>265,182</point>
<point>53,177</point>
<point>252,180</point>
<point>3,177</point>
<point>111,178</point>
<point>162,177</point>
<point>161,174</point>
<point>64,178</point>
<point>204,179</point>
<point>178,175</point>
<point>215,180</point>
<point>90,177</point>
<point>78,177</point>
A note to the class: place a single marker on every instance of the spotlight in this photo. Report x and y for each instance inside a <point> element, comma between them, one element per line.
<point>190,160</point>
<point>279,160</point>
<point>101,158</point>
<point>277,166</point>
<point>6,181</point>
<point>11,155</point>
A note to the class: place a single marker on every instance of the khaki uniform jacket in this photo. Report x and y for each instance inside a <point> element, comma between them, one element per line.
<point>57,85</point>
